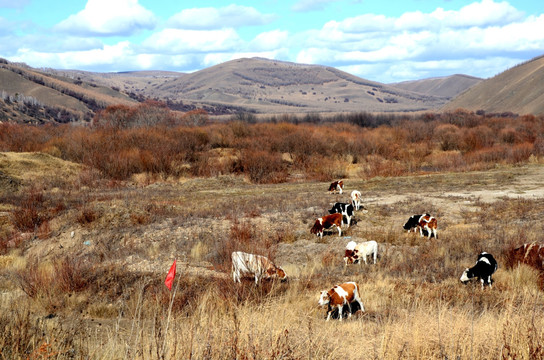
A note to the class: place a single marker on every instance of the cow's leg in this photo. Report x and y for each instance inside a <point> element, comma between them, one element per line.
<point>361,304</point>
<point>375,255</point>
<point>339,230</point>
<point>340,312</point>
<point>349,220</point>
<point>435,235</point>
<point>329,315</point>
<point>349,307</point>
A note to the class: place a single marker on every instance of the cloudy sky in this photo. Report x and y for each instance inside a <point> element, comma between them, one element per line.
<point>380,40</point>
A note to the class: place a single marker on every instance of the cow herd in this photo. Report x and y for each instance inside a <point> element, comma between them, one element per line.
<point>346,296</point>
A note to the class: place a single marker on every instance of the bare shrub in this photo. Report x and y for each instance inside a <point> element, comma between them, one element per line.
<point>263,167</point>
<point>31,212</point>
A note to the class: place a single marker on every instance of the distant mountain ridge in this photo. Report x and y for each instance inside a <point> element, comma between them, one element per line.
<point>261,86</point>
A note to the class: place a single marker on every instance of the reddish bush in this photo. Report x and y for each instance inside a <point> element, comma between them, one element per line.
<point>263,167</point>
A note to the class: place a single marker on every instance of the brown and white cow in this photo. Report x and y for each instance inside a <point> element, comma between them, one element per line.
<point>248,265</point>
<point>531,254</point>
<point>340,295</point>
<point>336,186</point>
<point>326,222</point>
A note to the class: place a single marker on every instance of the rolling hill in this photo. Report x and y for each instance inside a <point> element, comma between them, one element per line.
<point>271,86</point>
<point>447,86</point>
<point>519,90</point>
<point>258,85</point>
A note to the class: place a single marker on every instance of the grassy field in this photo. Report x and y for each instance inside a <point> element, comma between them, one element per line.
<point>84,261</point>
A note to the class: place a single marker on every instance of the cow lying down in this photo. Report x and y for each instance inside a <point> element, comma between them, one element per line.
<point>340,296</point>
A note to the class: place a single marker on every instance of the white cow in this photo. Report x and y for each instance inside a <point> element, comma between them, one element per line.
<point>244,264</point>
<point>356,199</point>
<point>360,251</point>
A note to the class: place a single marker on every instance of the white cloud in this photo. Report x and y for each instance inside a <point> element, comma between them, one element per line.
<point>108,56</point>
<point>484,29</point>
<point>270,40</point>
<point>172,41</point>
<point>216,18</point>
<point>108,18</point>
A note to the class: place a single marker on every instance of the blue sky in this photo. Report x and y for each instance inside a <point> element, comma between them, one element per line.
<point>386,41</point>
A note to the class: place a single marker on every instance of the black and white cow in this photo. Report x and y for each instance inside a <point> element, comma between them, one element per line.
<point>485,266</point>
<point>344,209</point>
<point>426,224</point>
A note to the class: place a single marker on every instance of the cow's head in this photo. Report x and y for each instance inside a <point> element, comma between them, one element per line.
<point>466,276</point>
<point>318,227</point>
<point>281,274</point>
<point>324,298</point>
<point>275,271</point>
<point>350,257</point>
<point>411,223</point>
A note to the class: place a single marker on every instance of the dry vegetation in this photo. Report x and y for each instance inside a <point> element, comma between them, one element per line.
<point>92,218</point>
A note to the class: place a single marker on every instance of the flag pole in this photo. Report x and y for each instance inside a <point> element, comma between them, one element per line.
<point>168,318</point>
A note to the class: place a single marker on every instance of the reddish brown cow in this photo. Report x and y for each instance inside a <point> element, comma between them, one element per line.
<point>326,222</point>
<point>531,254</point>
<point>336,186</point>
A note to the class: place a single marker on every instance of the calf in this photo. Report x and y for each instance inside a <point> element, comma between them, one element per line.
<point>355,252</point>
<point>336,186</point>
<point>340,295</point>
<point>344,209</point>
<point>326,222</point>
<point>485,266</point>
<point>425,223</point>
<point>244,264</point>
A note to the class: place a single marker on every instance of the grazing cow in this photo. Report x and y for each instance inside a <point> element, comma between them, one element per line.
<point>531,254</point>
<point>356,199</point>
<point>344,209</point>
<point>244,264</point>
<point>355,252</point>
<point>485,266</point>
<point>340,295</point>
<point>336,186</point>
<point>326,222</point>
<point>425,223</point>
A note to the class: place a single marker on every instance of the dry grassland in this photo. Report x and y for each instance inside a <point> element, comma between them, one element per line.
<point>87,283</point>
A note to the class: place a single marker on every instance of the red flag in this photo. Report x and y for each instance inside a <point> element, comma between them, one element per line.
<point>170,276</point>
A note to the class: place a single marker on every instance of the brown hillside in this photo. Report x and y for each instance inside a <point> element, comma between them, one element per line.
<point>447,86</point>
<point>31,95</point>
<point>519,90</point>
<point>271,86</point>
